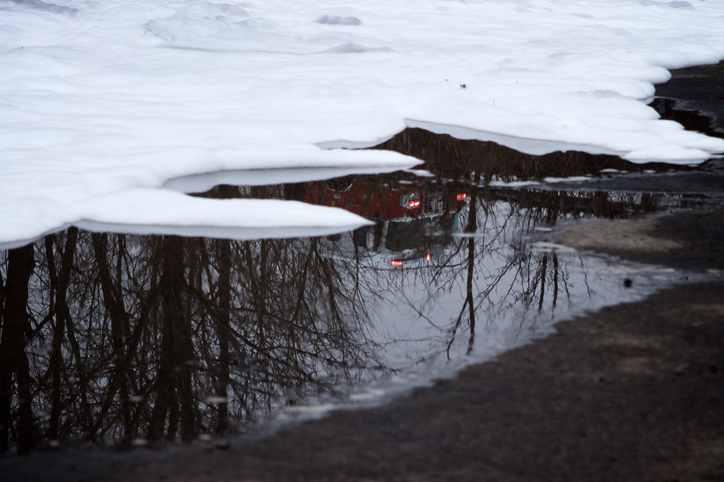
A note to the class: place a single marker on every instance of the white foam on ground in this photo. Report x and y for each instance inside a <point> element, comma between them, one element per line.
<point>106,97</point>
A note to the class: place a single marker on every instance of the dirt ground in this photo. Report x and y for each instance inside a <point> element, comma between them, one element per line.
<point>687,240</point>
<point>634,392</point>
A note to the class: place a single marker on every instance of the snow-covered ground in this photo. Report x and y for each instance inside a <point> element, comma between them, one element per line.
<point>101,102</point>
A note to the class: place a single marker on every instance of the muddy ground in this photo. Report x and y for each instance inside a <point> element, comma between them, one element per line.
<point>633,392</point>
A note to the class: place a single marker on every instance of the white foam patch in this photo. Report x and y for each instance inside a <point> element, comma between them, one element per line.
<point>567,179</point>
<point>544,247</point>
<point>263,177</point>
<point>311,409</point>
<point>147,211</point>
<point>367,395</point>
<point>104,97</point>
<point>512,184</point>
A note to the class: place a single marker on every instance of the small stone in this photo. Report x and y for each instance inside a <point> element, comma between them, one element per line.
<point>680,369</point>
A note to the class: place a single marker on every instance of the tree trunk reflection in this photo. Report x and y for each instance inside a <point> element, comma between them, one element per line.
<point>14,366</point>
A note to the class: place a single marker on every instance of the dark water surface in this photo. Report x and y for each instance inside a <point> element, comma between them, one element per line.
<point>124,340</point>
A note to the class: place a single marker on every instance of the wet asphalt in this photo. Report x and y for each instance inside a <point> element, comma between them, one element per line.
<point>634,392</point>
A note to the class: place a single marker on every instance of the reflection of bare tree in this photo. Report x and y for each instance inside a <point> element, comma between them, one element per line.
<point>491,262</point>
<point>520,274</point>
<point>174,396</point>
<point>13,358</point>
<point>116,338</point>
<point>59,281</point>
<point>223,329</point>
<point>454,158</point>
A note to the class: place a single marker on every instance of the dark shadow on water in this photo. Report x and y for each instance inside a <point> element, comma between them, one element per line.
<point>124,340</point>
<point>450,157</point>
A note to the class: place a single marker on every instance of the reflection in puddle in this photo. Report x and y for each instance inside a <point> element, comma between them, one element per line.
<point>670,109</point>
<point>127,340</point>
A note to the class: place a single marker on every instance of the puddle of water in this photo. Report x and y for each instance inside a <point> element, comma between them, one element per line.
<point>127,341</point>
<point>672,109</point>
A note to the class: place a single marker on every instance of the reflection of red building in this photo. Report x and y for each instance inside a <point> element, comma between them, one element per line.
<point>412,217</point>
<point>374,200</point>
